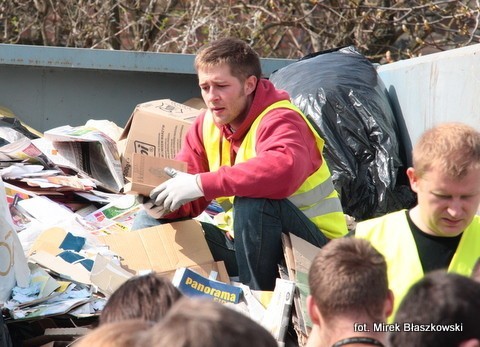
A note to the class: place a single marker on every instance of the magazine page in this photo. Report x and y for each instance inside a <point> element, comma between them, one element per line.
<point>24,149</point>
<point>96,151</point>
<point>63,154</point>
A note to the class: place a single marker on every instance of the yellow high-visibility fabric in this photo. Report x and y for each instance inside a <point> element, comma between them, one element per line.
<point>391,236</point>
<point>316,197</point>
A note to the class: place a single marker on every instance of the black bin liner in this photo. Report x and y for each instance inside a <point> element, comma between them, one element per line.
<point>342,95</point>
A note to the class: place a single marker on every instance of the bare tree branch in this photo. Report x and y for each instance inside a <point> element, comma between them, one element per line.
<point>275,28</point>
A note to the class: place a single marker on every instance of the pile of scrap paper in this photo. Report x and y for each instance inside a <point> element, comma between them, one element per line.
<point>59,191</point>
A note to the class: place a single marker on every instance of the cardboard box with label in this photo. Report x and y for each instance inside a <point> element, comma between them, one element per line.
<point>156,128</point>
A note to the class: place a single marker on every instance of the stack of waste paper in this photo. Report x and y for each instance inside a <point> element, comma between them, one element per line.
<point>68,198</point>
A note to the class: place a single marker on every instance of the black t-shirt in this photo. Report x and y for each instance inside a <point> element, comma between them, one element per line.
<point>435,252</point>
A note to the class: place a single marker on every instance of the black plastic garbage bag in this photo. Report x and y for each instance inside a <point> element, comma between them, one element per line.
<point>341,93</point>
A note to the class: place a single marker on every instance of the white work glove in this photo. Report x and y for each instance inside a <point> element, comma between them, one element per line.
<point>176,191</point>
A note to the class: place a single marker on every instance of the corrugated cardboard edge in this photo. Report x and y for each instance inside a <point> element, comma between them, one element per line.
<point>161,248</point>
<point>128,125</point>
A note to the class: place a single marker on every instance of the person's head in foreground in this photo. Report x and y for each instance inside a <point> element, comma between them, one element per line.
<point>206,323</point>
<point>348,290</point>
<point>441,309</point>
<point>228,70</point>
<point>147,296</point>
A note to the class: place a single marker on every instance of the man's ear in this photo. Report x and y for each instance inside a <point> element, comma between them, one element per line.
<point>312,310</point>
<point>470,343</point>
<point>389,302</point>
<point>250,84</point>
<point>412,177</point>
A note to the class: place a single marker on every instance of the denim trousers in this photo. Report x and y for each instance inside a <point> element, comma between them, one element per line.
<point>257,249</point>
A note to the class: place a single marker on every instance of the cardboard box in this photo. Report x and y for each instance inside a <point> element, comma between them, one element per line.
<point>147,173</point>
<point>156,128</point>
<point>161,248</point>
<point>299,255</point>
<point>197,103</point>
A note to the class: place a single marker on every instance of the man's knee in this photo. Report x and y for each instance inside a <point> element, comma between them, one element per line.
<point>144,220</point>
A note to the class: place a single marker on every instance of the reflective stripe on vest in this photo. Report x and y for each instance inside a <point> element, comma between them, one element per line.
<point>316,197</point>
<point>391,236</point>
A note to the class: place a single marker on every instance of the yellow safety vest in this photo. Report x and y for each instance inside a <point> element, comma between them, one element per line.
<point>391,236</point>
<point>316,197</point>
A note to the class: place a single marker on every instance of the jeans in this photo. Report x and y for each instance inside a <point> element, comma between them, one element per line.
<point>257,248</point>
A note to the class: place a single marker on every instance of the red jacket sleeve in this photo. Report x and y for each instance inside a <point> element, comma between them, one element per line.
<point>286,155</point>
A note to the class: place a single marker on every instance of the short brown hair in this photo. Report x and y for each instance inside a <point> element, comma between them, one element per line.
<point>349,276</point>
<point>237,54</point>
<point>452,147</point>
<point>148,296</point>
<point>198,322</point>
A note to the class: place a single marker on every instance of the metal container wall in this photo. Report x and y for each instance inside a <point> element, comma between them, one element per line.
<point>435,88</point>
<point>46,87</point>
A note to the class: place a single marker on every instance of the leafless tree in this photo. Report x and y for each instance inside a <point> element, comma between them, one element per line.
<point>383,30</point>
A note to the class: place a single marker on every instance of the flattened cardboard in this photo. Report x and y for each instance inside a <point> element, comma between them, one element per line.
<point>107,276</point>
<point>299,255</point>
<point>156,128</point>
<point>303,253</point>
<point>161,248</point>
<point>49,241</point>
<point>147,173</point>
<point>74,272</point>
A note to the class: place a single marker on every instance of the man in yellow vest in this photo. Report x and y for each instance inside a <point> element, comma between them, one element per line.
<point>257,154</point>
<point>442,231</point>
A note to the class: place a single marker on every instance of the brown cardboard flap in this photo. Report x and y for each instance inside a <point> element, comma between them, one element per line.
<point>161,248</point>
<point>49,241</point>
<point>108,276</point>
<point>147,173</point>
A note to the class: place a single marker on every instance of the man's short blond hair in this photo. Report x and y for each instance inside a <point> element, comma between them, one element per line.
<point>453,148</point>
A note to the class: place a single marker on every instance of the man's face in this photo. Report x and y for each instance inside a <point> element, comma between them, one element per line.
<point>446,205</point>
<point>227,97</point>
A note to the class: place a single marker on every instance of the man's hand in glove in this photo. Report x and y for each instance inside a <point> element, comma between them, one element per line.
<point>177,191</point>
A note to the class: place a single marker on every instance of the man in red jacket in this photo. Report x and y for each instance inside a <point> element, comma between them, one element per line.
<point>257,154</point>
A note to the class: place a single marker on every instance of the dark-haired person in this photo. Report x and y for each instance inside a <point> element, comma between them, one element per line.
<point>148,297</point>
<point>349,299</point>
